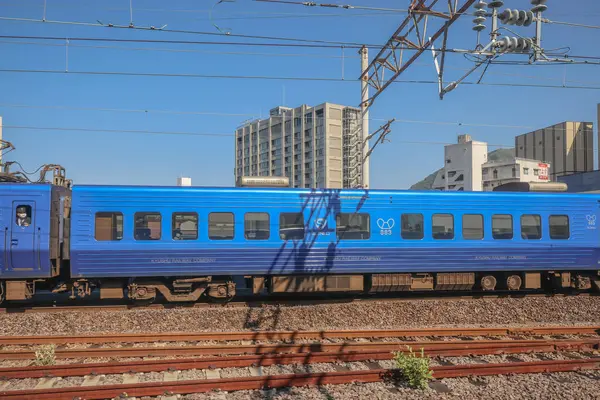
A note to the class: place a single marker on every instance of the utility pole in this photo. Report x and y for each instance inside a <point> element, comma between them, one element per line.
<point>364,107</point>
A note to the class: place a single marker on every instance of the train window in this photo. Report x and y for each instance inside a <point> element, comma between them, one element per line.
<point>109,226</point>
<point>412,226</point>
<point>442,226</point>
<point>221,226</point>
<point>352,226</point>
<point>23,213</point>
<point>256,226</point>
<point>472,226</point>
<point>531,227</point>
<point>185,226</point>
<point>291,226</point>
<point>559,227</point>
<point>147,226</point>
<point>502,226</point>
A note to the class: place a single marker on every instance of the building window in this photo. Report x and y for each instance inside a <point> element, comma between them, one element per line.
<point>291,226</point>
<point>351,226</point>
<point>451,174</point>
<point>147,226</point>
<point>460,178</point>
<point>536,172</point>
<point>448,161</point>
<point>221,226</point>
<point>109,226</point>
<point>531,227</point>
<point>256,226</point>
<point>559,227</point>
<point>442,226</point>
<point>495,174</point>
<point>514,172</point>
<point>484,171</point>
<point>185,226</point>
<point>412,226</point>
<point>525,171</point>
<point>472,226</point>
<point>502,226</point>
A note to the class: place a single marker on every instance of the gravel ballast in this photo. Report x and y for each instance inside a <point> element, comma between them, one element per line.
<point>359,315</point>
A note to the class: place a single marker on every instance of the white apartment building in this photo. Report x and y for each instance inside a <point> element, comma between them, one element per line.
<point>496,173</point>
<point>462,166</point>
<point>314,147</point>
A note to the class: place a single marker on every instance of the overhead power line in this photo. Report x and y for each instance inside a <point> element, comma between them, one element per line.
<point>257,116</point>
<point>278,78</point>
<point>224,135</point>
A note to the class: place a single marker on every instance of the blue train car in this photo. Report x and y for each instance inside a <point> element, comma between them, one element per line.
<point>185,242</point>
<point>32,219</point>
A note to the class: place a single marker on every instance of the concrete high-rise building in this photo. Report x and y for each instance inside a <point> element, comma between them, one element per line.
<point>568,147</point>
<point>314,147</point>
<point>462,166</point>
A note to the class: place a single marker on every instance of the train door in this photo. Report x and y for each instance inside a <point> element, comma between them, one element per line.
<point>22,236</point>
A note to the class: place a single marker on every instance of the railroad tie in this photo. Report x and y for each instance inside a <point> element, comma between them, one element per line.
<point>92,380</point>
<point>170,376</point>
<point>46,383</point>
<point>213,373</point>
<point>130,379</point>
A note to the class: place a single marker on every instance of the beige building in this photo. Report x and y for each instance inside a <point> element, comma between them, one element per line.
<point>314,147</point>
<point>568,147</point>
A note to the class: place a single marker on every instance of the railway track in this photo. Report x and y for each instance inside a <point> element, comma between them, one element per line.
<point>254,303</point>
<point>287,355</point>
<point>293,335</point>
<point>373,351</point>
<point>432,348</point>
<point>278,381</point>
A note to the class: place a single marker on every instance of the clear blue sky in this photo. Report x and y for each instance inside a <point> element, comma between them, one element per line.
<point>142,158</point>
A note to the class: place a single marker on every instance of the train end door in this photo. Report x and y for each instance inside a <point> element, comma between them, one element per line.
<point>22,246</point>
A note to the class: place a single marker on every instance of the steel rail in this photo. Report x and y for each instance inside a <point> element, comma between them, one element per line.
<point>278,381</point>
<point>258,303</point>
<point>431,347</point>
<point>291,335</point>
<point>84,369</point>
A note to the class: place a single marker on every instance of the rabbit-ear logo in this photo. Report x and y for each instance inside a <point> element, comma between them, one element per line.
<point>385,226</point>
<point>591,219</point>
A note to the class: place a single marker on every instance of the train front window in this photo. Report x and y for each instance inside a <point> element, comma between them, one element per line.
<point>256,226</point>
<point>412,226</point>
<point>442,226</point>
<point>472,226</point>
<point>559,227</point>
<point>108,226</point>
<point>147,226</point>
<point>291,226</point>
<point>502,227</point>
<point>221,226</point>
<point>531,227</point>
<point>352,226</point>
<point>185,226</point>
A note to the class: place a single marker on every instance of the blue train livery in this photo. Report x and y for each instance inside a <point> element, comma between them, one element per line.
<point>185,242</point>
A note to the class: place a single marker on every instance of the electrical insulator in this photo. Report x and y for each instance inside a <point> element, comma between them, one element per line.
<point>479,16</point>
<point>516,17</point>
<point>538,6</point>
<point>496,4</point>
<point>514,44</point>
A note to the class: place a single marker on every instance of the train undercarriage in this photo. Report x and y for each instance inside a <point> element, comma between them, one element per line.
<point>225,288</point>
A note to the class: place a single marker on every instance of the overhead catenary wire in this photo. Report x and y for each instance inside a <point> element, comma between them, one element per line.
<point>278,78</point>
